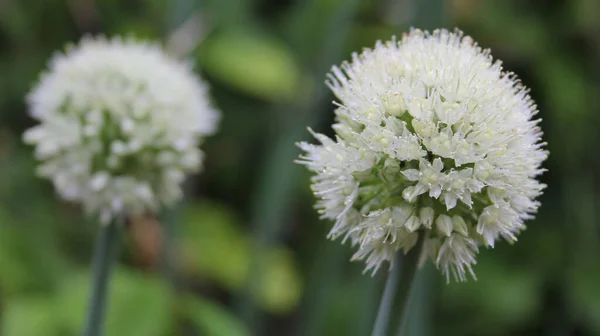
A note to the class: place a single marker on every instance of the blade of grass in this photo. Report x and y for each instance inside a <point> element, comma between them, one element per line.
<point>279,172</point>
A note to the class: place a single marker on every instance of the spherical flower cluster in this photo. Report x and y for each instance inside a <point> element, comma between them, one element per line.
<point>119,125</point>
<point>433,140</point>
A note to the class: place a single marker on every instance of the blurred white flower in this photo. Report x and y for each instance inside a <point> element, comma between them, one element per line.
<point>119,125</point>
<point>433,138</point>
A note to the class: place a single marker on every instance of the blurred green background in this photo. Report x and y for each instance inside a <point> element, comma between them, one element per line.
<point>252,258</point>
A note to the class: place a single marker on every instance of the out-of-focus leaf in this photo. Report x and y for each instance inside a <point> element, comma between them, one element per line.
<point>22,266</point>
<point>14,269</point>
<point>280,284</point>
<point>585,14</point>
<point>138,28</point>
<point>211,319</point>
<point>216,247</point>
<point>138,304</point>
<point>252,62</point>
<point>30,315</point>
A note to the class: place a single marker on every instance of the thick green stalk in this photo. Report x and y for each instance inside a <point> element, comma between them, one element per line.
<point>418,314</point>
<point>168,245</point>
<point>106,252</point>
<point>396,294</point>
<point>387,298</point>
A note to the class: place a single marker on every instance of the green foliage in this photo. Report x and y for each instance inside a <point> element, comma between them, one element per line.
<point>253,62</point>
<point>31,315</point>
<point>212,319</point>
<point>137,305</point>
<point>207,230</point>
<point>260,56</point>
<point>583,280</point>
<point>216,246</point>
<point>22,269</point>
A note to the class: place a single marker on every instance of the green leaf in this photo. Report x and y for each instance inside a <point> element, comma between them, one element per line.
<point>252,62</point>
<point>23,267</point>
<point>138,28</point>
<point>30,315</point>
<point>138,304</point>
<point>211,319</point>
<point>216,246</point>
<point>584,15</point>
<point>280,284</point>
<point>15,272</point>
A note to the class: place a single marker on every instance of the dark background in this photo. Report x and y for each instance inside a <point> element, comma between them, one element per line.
<point>249,214</point>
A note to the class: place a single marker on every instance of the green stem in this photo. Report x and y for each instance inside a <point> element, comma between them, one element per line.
<point>419,313</point>
<point>106,252</point>
<point>397,289</point>
<point>168,247</point>
<point>406,285</point>
<point>387,299</point>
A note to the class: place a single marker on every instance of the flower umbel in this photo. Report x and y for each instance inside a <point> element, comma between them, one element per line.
<point>119,125</point>
<point>431,135</point>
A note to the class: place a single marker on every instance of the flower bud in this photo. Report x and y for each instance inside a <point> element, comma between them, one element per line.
<point>444,225</point>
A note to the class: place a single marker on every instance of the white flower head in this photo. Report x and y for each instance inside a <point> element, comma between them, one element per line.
<point>119,125</point>
<point>433,139</point>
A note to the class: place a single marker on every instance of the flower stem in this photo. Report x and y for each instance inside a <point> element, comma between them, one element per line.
<point>417,317</point>
<point>105,256</point>
<point>169,219</point>
<point>387,299</point>
<point>409,270</point>
<point>396,293</point>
